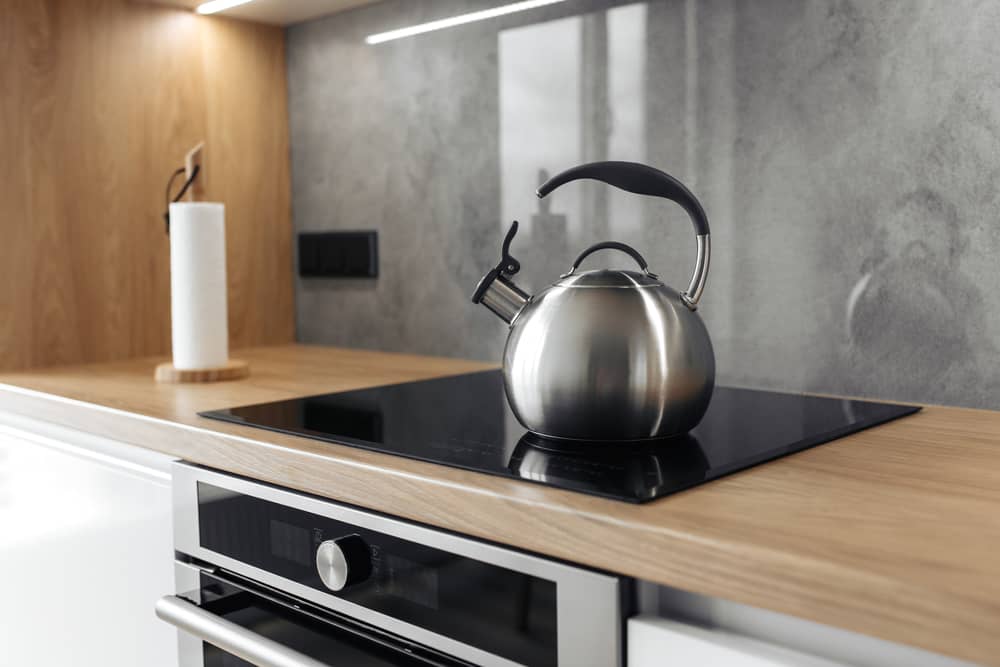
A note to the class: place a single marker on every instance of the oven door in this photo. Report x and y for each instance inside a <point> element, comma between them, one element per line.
<point>225,621</point>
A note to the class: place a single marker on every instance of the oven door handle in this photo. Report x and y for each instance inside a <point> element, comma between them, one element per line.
<point>228,636</point>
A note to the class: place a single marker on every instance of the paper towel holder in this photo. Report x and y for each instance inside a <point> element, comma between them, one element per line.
<point>191,170</point>
<point>166,372</point>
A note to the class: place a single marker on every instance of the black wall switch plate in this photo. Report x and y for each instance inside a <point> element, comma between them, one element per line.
<point>338,254</point>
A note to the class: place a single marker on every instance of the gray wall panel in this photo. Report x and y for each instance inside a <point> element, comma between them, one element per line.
<point>847,153</point>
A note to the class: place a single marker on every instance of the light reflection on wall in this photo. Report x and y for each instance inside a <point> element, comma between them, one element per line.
<point>572,90</point>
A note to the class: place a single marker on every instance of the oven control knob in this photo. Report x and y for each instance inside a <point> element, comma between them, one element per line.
<point>343,562</point>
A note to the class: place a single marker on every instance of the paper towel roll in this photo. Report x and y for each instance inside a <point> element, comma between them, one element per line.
<point>198,285</point>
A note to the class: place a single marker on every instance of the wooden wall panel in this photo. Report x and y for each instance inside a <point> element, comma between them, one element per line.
<point>101,100</point>
<point>247,126</point>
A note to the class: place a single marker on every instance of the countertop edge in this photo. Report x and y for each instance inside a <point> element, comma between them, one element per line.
<point>876,605</point>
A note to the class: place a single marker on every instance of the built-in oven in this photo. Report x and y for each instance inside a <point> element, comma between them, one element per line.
<point>272,577</point>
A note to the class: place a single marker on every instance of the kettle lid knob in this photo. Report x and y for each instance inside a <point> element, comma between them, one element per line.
<point>611,245</point>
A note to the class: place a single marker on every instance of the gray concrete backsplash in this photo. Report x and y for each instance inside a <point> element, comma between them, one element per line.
<point>847,153</point>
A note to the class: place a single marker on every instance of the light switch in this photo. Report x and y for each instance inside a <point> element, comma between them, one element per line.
<point>338,254</point>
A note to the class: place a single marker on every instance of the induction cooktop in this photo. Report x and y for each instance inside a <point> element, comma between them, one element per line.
<point>464,421</point>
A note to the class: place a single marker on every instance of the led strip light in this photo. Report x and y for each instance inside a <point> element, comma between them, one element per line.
<point>219,5</point>
<point>461,19</point>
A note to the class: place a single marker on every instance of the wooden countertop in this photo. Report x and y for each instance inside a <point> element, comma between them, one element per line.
<point>893,532</point>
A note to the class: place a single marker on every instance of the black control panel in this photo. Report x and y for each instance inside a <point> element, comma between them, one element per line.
<point>501,611</point>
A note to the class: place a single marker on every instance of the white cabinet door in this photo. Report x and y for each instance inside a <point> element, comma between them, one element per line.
<point>660,642</point>
<point>85,551</point>
<point>681,628</point>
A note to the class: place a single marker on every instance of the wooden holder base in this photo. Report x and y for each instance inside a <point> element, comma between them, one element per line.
<point>234,369</point>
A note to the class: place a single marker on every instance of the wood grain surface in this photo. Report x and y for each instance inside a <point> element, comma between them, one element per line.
<point>234,369</point>
<point>102,99</point>
<point>893,532</point>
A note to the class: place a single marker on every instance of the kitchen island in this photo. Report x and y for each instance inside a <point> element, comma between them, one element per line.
<point>893,532</point>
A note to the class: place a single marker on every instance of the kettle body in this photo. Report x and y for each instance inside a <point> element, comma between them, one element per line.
<point>606,355</point>
<point>611,363</point>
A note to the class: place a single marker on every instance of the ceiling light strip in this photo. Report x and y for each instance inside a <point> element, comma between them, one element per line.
<point>219,5</point>
<point>457,20</point>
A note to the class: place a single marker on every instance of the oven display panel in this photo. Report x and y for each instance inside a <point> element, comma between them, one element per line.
<point>501,611</point>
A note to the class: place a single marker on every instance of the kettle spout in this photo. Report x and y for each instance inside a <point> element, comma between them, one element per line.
<point>496,291</point>
<point>501,296</point>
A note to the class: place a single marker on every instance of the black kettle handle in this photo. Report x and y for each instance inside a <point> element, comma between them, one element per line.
<point>637,178</point>
<point>642,179</point>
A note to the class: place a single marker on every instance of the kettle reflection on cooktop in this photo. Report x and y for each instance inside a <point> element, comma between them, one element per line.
<point>463,421</point>
<point>638,469</point>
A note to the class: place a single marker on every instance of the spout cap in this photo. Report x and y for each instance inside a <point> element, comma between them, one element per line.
<point>498,293</point>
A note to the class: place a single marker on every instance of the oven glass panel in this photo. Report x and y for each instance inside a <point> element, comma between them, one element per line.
<point>495,609</point>
<point>309,636</point>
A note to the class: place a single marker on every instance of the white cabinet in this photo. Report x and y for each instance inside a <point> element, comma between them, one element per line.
<point>681,629</point>
<point>85,550</point>
<point>660,642</point>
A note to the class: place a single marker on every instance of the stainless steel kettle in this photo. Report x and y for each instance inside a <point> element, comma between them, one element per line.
<point>607,354</point>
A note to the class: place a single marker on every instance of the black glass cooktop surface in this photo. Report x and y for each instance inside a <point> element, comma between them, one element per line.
<point>464,421</point>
